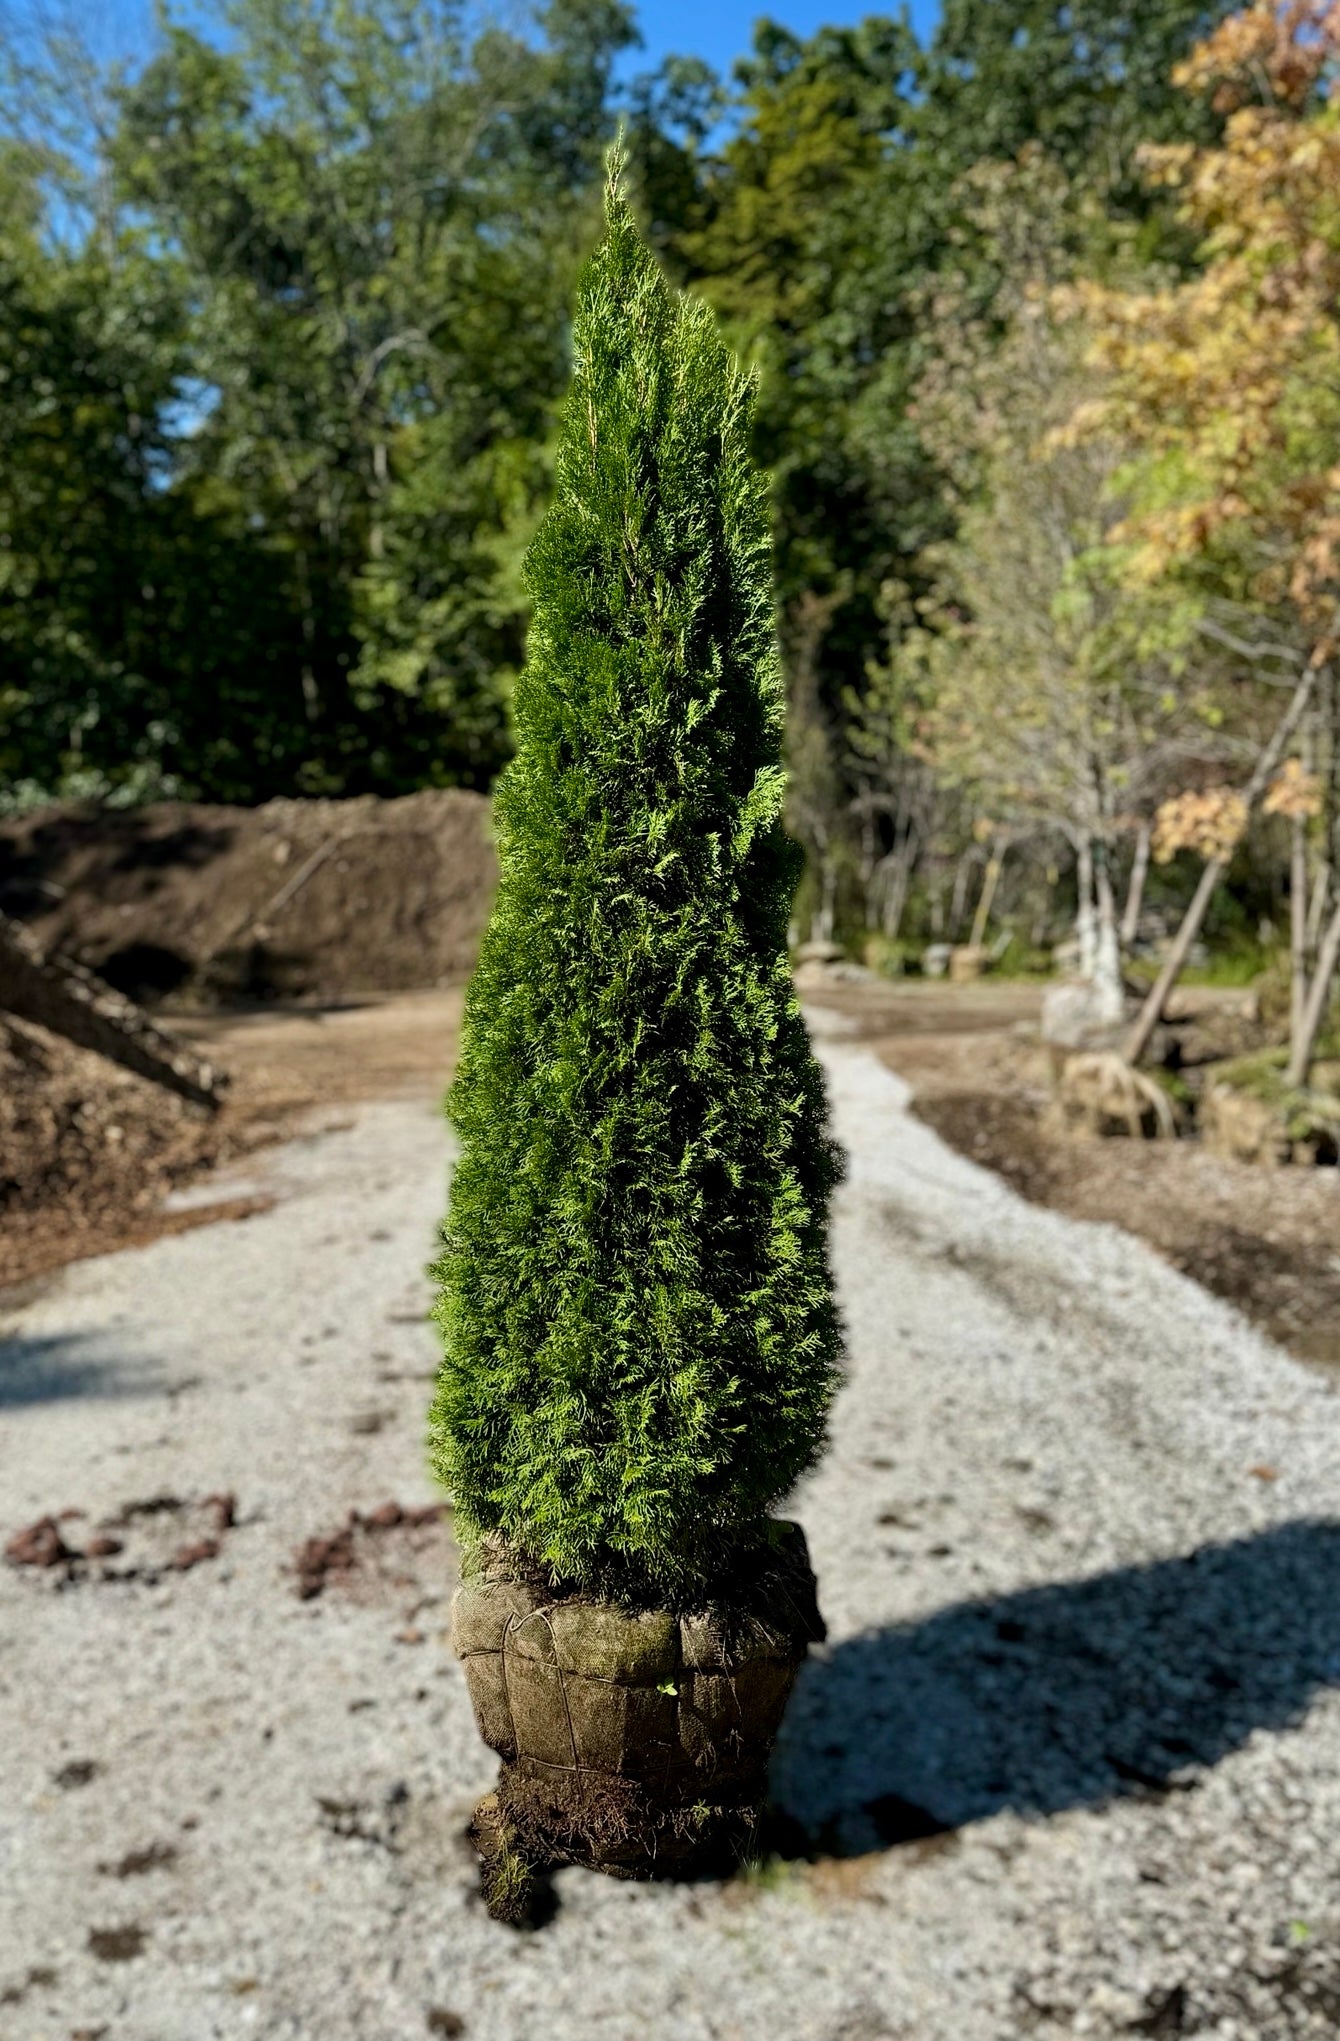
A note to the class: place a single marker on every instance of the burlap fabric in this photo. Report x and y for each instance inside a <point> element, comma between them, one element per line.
<point>633,1741</point>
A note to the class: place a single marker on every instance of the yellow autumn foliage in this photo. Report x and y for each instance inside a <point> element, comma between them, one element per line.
<point>1294,792</point>
<point>1228,384</point>
<point>1210,821</point>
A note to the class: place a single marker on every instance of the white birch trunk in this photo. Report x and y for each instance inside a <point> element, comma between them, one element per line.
<point>1109,993</point>
<point>1086,921</point>
<point>1298,951</point>
<point>991,880</point>
<point>1304,1046</point>
<point>1151,1013</point>
<point>1135,892</point>
<point>1321,886</point>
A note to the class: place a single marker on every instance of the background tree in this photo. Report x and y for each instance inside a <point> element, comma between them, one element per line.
<point>89,346</point>
<point>333,246</point>
<point>362,223</point>
<point>1091,82</point>
<point>1224,383</point>
<point>1052,697</point>
<point>817,230</point>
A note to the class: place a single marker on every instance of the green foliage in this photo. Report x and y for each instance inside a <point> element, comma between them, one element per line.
<point>300,374</point>
<point>807,233</point>
<point>283,329</point>
<point>1091,81</point>
<point>81,385</point>
<point>640,1338</point>
<point>821,227</point>
<point>1051,693</point>
<point>1023,961</point>
<point>1242,964</point>
<point>891,957</point>
<point>1304,1113</point>
<point>1175,1088</point>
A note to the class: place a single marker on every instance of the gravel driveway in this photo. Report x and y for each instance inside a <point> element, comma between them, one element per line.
<point>1069,1764</point>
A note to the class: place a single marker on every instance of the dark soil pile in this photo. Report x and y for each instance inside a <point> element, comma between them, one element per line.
<point>143,1541</point>
<point>88,1152</point>
<point>295,900</point>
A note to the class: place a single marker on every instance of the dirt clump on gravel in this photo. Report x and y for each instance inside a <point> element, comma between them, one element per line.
<point>142,1541</point>
<point>196,904</point>
<point>376,1554</point>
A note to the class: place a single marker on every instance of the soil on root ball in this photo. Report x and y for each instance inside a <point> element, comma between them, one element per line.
<point>634,1741</point>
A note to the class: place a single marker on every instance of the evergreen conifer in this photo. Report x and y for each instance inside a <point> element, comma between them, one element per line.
<point>640,1340</point>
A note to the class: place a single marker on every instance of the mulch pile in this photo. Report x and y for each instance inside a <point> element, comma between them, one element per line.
<point>88,1152</point>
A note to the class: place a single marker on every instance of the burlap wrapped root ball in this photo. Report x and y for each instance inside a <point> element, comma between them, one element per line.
<point>632,1741</point>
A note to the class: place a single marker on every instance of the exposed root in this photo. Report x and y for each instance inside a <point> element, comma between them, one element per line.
<point>624,1829</point>
<point>507,1872</point>
<point>1100,1089</point>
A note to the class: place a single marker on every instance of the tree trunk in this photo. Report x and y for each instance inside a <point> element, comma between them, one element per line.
<point>1298,951</point>
<point>871,867</point>
<point>311,693</point>
<point>1151,1013</point>
<point>897,885</point>
<point>1110,998</point>
<point>1135,892</point>
<point>995,864</point>
<point>1304,1044</point>
<point>1086,926</point>
<point>58,994</point>
<point>824,916</point>
<point>937,893</point>
<point>1316,910</point>
<point>962,874</point>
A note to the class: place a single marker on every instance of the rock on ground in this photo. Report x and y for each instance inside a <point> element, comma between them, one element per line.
<point>1069,1763</point>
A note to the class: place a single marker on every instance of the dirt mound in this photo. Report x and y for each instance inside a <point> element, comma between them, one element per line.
<point>88,1152</point>
<point>294,900</point>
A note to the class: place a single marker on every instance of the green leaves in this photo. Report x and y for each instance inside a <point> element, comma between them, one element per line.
<point>322,318</point>
<point>640,1338</point>
<point>824,230</point>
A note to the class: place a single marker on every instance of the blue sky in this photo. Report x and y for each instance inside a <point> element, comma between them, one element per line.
<point>718,30</point>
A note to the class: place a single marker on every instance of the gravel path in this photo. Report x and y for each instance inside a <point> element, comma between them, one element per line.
<point>1069,1764</point>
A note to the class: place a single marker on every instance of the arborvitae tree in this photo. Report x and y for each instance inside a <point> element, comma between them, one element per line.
<point>640,1338</point>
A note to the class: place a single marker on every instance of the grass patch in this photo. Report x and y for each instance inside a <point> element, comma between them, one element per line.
<point>1022,960</point>
<point>1304,1113</point>
<point>1174,1086</point>
<point>1233,968</point>
<point>891,957</point>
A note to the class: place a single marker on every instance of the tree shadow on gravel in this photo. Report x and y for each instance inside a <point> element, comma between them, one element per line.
<point>62,1366</point>
<point>1070,1695</point>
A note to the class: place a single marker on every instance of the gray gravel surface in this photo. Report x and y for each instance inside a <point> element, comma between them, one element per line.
<point>1068,1765</point>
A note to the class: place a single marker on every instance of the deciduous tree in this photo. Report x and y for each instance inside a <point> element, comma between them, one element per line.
<point>1225,382</point>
